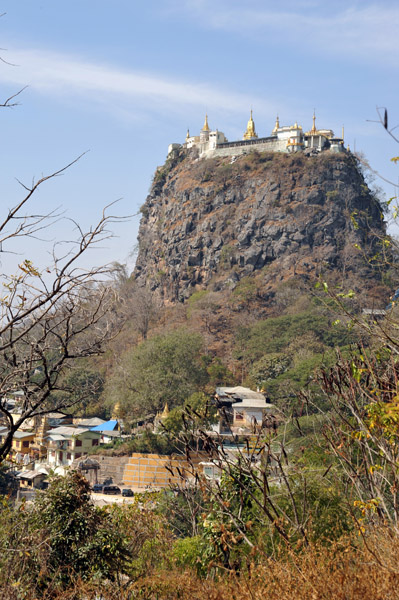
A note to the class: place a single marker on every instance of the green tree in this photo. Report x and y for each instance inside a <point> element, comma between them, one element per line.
<point>80,537</point>
<point>164,369</point>
<point>61,540</point>
<point>196,412</point>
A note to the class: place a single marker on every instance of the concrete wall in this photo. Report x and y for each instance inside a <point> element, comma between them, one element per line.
<point>274,146</point>
<point>111,469</point>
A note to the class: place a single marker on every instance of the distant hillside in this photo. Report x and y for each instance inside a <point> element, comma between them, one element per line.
<point>211,223</point>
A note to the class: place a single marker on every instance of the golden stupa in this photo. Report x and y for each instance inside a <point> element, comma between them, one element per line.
<point>250,132</point>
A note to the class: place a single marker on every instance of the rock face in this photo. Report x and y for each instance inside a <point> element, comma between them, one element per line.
<point>212,222</point>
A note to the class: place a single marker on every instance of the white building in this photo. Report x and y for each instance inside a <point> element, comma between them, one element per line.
<point>65,444</point>
<point>287,138</point>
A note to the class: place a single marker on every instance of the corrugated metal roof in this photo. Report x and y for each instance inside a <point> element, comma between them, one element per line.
<point>252,403</point>
<point>69,431</point>
<point>106,426</point>
<point>29,474</point>
<point>93,422</point>
<point>23,434</point>
<point>239,392</point>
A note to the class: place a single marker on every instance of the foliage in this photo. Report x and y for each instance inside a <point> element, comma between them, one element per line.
<point>244,292</point>
<point>275,334</point>
<point>147,536</point>
<point>152,443</point>
<point>63,538</point>
<point>197,411</point>
<point>218,373</point>
<point>189,552</point>
<point>164,369</point>
<point>183,509</point>
<point>8,483</point>
<point>270,366</point>
<point>363,429</point>
<point>81,538</point>
<point>84,386</point>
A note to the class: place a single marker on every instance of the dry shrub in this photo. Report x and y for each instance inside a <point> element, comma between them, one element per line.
<point>344,571</point>
<point>357,569</point>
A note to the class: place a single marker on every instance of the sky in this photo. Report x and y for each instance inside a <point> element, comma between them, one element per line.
<point>122,80</point>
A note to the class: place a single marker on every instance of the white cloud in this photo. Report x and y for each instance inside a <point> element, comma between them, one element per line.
<point>71,77</point>
<point>366,32</point>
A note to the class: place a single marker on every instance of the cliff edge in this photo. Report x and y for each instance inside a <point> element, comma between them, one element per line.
<point>211,222</point>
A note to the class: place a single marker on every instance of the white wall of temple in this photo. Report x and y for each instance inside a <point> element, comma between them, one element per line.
<point>270,146</point>
<point>288,139</point>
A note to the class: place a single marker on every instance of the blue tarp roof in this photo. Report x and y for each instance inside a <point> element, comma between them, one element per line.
<point>107,426</point>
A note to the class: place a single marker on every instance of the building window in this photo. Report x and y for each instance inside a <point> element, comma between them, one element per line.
<point>78,454</point>
<point>25,444</point>
<point>68,456</point>
<point>78,443</point>
<point>208,472</point>
<point>239,416</point>
<point>94,442</point>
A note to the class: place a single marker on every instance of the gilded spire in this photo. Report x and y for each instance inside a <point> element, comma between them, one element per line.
<point>313,130</point>
<point>165,412</point>
<point>343,133</point>
<point>206,126</point>
<point>277,125</point>
<point>250,131</point>
<point>188,134</point>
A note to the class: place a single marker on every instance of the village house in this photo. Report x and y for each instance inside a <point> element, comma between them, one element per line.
<point>22,445</point>
<point>66,444</point>
<point>241,410</point>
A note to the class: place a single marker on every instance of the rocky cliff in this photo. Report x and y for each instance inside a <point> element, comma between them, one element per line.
<point>209,223</point>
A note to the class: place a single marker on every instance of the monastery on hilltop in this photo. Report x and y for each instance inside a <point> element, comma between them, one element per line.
<point>288,138</point>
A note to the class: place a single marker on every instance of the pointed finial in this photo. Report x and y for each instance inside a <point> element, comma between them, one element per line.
<point>188,134</point>
<point>206,126</point>
<point>277,125</point>
<point>250,131</point>
<point>314,121</point>
<point>343,133</point>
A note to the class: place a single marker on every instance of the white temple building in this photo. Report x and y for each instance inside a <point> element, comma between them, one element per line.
<point>287,138</point>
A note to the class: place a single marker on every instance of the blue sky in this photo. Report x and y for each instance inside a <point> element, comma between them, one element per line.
<point>124,79</point>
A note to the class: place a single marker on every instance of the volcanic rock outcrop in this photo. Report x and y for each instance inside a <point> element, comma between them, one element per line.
<point>211,222</point>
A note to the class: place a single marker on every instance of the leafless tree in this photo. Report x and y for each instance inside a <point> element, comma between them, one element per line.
<point>51,317</point>
<point>141,307</point>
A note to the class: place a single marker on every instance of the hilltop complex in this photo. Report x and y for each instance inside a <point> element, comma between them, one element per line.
<point>289,138</point>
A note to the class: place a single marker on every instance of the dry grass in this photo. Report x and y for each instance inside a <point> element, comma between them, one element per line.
<point>346,571</point>
<point>341,572</point>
